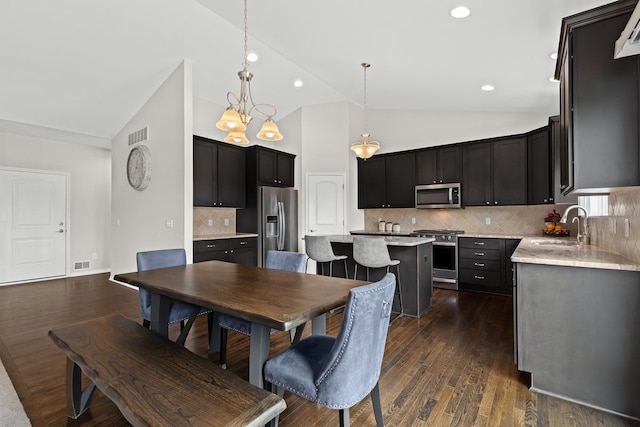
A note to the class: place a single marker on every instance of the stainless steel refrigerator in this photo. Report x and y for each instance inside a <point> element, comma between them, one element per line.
<point>273,215</point>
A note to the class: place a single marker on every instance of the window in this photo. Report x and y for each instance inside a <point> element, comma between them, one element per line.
<point>595,205</point>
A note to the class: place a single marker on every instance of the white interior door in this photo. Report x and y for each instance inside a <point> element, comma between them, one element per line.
<point>33,223</point>
<point>325,204</point>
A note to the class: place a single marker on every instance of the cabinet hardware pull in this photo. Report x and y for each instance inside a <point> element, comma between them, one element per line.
<point>478,277</point>
<point>243,243</point>
<point>478,253</point>
<point>478,264</point>
<point>479,243</point>
<point>209,246</point>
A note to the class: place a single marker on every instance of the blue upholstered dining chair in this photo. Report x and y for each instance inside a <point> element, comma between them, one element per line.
<point>179,312</point>
<point>338,372</point>
<point>277,260</point>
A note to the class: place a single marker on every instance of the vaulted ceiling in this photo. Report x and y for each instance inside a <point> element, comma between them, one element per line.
<point>87,66</point>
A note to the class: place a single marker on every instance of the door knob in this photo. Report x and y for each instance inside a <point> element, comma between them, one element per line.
<point>59,231</point>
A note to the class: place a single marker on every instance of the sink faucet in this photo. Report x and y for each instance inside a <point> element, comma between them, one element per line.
<point>584,237</point>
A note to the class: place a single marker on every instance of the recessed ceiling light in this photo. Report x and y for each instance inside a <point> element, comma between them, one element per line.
<point>487,88</point>
<point>252,57</point>
<point>553,55</point>
<point>460,12</point>
<point>298,83</point>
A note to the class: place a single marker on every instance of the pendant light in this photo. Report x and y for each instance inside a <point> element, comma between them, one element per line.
<point>365,148</point>
<point>237,116</point>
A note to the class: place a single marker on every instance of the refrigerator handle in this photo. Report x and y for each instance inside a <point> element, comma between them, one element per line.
<point>282,224</point>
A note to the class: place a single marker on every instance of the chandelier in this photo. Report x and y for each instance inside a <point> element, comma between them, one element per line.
<point>365,148</point>
<point>237,116</point>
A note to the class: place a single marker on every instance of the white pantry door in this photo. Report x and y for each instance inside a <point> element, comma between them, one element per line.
<point>33,216</point>
<point>325,204</point>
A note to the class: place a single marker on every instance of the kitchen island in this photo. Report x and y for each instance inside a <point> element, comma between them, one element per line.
<point>577,323</point>
<point>415,256</point>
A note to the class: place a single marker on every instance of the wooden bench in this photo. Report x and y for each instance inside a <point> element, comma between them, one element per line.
<point>154,381</point>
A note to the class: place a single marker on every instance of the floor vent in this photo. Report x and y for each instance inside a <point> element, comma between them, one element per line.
<point>139,135</point>
<point>82,265</point>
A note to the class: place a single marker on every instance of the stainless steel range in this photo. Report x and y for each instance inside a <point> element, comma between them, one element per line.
<point>445,256</point>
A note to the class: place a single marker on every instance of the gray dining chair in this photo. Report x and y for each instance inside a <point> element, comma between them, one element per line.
<point>276,260</point>
<point>179,311</point>
<point>318,248</point>
<point>338,372</point>
<point>372,252</point>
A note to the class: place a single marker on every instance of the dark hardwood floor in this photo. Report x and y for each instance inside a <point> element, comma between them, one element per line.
<point>452,367</point>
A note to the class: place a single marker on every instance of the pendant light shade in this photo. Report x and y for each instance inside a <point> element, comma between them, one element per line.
<point>237,116</point>
<point>269,131</point>
<point>231,121</point>
<point>364,148</point>
<point>236,137</point>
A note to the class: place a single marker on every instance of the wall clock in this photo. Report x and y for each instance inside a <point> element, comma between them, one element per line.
<point>139,167</point>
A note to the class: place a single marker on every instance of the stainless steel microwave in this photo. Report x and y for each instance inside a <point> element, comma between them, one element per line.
<point>433,196</point>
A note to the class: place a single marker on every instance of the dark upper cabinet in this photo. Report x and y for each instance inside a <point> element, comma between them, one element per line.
<point>598,102</point>
<point>495,172</point>
<point>557,162</point>
<point>387,181</point>
<point>438,165</point>
<point>539,167</point>
<point>271,167</point>
<point>372,183</point>
<point>476,182</point>
<point>400,177</point>
<point>218,174</point>
<point>510,171</point>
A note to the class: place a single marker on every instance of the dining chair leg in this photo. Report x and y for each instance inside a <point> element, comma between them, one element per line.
<point>344,417</point>
<point>331,268</point>
<point>346,272</point>
<point>223,348</point>
<point>355,272</point>
<point>377,408</point>
<point>306,264</point>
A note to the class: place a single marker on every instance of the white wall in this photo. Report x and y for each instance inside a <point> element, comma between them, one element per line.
<point>90,178</point>
<point>139,218</point>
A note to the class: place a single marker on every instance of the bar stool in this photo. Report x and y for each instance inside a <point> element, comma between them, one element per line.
<point>373,253</point>
<point>319,249</point>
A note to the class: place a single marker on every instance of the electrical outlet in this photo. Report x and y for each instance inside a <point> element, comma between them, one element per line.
<point>169,223</point>
<point>487,220</point>
<point>94,255</point>
<point>627,231</point>
<point>226,222</point>
<point>210,222</point>
<point>413,220</point>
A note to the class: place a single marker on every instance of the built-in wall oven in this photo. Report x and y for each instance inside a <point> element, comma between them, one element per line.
<point>445,256</point>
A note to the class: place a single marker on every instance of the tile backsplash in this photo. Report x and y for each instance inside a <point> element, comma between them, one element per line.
<point>201,217</point>
<point>624,203</point>
<point>520,220</point>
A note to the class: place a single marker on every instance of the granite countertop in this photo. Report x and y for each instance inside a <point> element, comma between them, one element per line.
<point>508,236</point>
<point>391,240</point>
<point>568,253</point>
<point>381,233</point>
<point>225,236</point>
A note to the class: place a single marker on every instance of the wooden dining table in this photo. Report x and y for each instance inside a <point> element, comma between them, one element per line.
<point>268,298</point>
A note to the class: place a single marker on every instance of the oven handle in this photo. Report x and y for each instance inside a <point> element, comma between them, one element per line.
<point>444,243</point>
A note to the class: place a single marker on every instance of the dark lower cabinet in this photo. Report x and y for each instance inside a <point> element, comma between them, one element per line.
<point>239,250</point>
<point>485,264</point>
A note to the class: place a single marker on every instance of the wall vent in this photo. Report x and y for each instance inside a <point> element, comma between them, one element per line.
<point>139,135</point>
<point>82,265</point>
